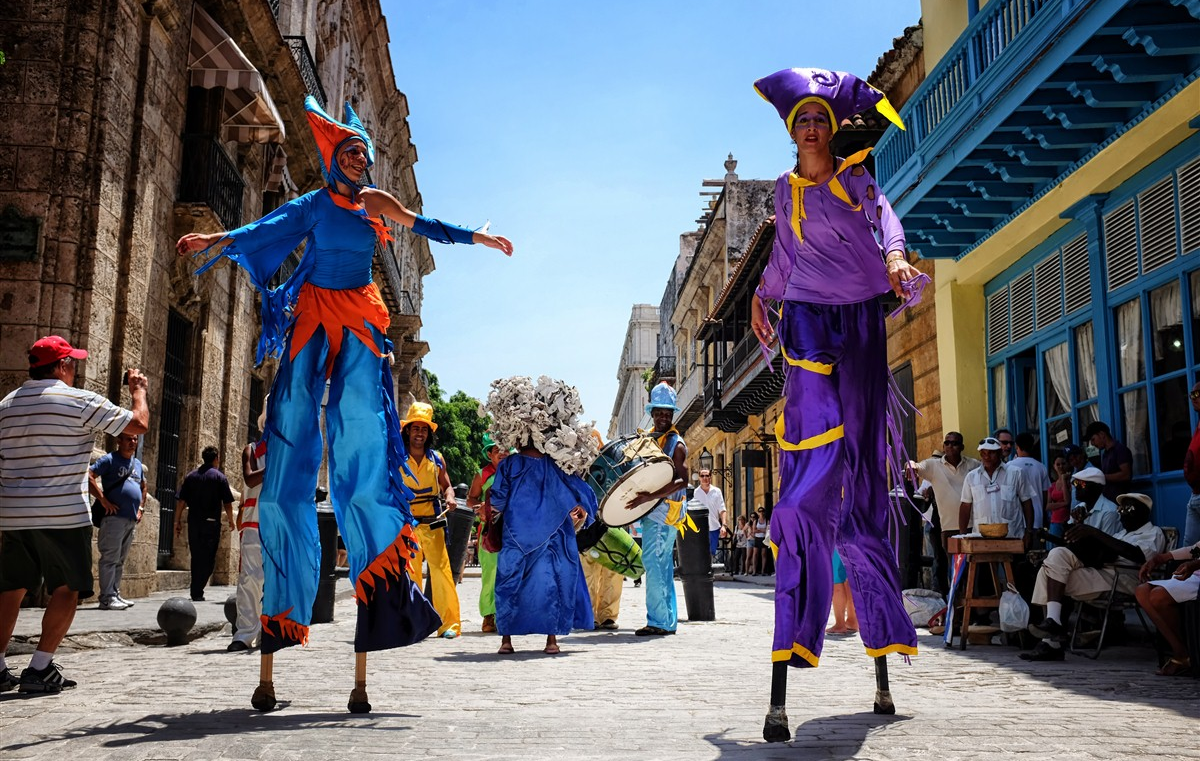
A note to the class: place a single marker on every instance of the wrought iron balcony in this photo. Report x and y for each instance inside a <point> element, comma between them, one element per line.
<point>689,400</point>
<point>308,67</point>
<point>715,416</point>
<point>274,4</point>
<point>664,369</point>
<point>210,177</point>
<point>750,381</point>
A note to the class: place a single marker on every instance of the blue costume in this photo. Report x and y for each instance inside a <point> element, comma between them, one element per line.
<point>329,322</point>
<point>540,587</point>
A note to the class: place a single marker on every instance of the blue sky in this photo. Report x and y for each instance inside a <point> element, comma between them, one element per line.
<point>583,132</point>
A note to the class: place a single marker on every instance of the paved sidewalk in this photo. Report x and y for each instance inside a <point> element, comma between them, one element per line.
<point>699,695</point>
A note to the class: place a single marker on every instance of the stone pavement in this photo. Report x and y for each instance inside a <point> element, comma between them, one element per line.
<point>699,695</point>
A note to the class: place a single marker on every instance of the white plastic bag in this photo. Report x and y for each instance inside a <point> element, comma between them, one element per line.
<point>921,604</point>
<point>1014,611</point>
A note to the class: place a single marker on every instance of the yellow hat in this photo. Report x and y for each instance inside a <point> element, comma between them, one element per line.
<point>419,412</point>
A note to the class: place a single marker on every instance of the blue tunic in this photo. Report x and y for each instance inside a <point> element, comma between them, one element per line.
<point>540,587</point>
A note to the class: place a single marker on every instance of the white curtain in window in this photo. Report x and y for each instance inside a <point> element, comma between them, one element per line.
<point>1000,396</point>
<point>1166,310</point>
<point>1085,361</point>
<point>1129,338</point>
<point>1058,367</point>
<point>1031,401</point>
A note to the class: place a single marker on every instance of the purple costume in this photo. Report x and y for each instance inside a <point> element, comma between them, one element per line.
<point>827,269</point>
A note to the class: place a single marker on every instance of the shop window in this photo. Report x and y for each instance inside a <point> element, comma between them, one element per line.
<point>1194,289</point>
<point>999,396</point>
<point>1130,359</point>
<point>1056,363</point>
<point>1135,431</point>
<point>1174,422</point>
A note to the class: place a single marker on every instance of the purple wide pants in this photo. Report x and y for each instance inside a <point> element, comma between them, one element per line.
<point>833,481</point>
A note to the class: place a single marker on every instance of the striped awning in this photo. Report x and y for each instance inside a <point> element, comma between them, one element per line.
<point>278,178</point>
<point>214,60</point>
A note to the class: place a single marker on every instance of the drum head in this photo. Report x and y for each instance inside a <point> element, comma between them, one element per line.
<point>646,477</point>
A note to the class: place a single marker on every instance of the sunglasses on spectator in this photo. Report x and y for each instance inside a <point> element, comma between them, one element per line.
<point>1080,484</point>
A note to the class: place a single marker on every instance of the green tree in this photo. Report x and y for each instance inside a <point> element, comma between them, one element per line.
<point>460,430</point>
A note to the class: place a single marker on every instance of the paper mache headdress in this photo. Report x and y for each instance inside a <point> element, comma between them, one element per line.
<point>843,95</point>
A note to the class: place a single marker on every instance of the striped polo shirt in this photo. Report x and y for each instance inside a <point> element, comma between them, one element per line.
<point>47,430</point>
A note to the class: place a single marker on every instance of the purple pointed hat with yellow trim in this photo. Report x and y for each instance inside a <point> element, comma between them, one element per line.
<point>331,135</point>
<point>843,95</point>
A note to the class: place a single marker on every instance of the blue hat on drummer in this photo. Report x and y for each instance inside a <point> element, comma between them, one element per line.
<point>662,396</point>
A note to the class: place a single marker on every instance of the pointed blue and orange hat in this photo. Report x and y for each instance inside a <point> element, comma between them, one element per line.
<point>843,95</point>
<point>332,135</point>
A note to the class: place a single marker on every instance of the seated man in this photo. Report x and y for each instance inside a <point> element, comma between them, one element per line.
<point>1161,600</point>
<point>1092,508</point>
<point>1078,570</point>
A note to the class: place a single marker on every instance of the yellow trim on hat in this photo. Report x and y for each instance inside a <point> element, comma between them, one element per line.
<point>833,125</point>
<point>887,110</point>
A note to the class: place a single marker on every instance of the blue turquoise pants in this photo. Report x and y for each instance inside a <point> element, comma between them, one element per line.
<point>658,556</point>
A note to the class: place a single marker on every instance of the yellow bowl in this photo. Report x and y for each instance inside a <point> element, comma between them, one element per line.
<point>993,530</point>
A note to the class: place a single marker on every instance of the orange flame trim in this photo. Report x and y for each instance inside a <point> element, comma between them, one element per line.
<point>389,565</point>
<point>333,309</point>
<point>288,629</point>
<point>381,230</point>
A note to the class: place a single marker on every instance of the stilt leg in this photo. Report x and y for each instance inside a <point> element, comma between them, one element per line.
<point>883,696</point>
<point>358,696</point>
<point>264,696</point>
<point>775,728</point>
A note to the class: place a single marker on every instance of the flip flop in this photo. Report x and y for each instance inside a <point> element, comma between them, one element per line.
<point>551,650</point>
<point>506,649</point>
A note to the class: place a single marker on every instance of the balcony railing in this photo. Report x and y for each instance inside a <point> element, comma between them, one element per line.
<point>274,8</point>
<point>406,303</point>
<point>308,67</point>
<point>745,350</point>
<point>981,44</point>
<point>210,177</point>
<point>664,367</point>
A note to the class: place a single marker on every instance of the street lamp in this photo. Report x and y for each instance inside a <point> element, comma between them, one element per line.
<point>706,459</point>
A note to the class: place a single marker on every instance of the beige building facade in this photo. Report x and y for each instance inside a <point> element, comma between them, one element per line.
<point>129,124</point>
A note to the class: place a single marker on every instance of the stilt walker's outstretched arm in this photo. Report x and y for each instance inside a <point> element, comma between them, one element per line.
<point>883,696</point>
<point>264,696</point>
<point>775,729</point>
<point>358,696</point>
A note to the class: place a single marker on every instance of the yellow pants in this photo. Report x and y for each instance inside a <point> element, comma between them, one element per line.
<point>445,595</point>
<point>605,588</point>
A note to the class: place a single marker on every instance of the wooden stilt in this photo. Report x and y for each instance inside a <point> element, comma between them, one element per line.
<point>775,728</point>
<point>264,696</point>
<point>358,696</point>
<point>883,696</point>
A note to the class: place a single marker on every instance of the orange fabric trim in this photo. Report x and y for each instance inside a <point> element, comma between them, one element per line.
<point>354,309</point>
<point>389,565</point>
<point>288,630</point>
<point>381,230</point>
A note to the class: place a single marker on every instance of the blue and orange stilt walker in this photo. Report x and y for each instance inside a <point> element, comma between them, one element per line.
<point>328,322</point>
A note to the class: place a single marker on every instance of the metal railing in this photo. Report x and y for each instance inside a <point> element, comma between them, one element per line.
<point>664,367</point>
<point>981,44</point>
<point>406,303</point>
<point>274,4</point>
<point>210,177</point>
<point>308,67</point>
<point>745,351</point>
<point>689,389</point>
<point>170,419</point>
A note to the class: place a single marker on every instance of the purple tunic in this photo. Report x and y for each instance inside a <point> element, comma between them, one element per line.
<point>825,252</point>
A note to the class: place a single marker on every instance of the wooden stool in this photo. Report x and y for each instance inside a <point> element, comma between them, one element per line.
<point>996,555</point>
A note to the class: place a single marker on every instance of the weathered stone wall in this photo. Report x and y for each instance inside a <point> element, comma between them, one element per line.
<point>95,97</point>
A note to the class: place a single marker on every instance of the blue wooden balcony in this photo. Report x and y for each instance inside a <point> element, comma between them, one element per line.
<point>1030,92</point>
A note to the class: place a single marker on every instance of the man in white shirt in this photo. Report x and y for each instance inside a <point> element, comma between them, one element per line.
<point>47,430</point>
<point>1085,567</point>
<point>710,497</point>
<point>1092,508</point>
<point>946,475</point>
<point>1035,473</point>
<point>996,493</point>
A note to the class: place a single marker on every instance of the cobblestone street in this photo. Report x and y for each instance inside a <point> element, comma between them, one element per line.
<point>699,695</point>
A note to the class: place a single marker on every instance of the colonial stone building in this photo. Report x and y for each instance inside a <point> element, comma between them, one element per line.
<point>637,356</point>
<point>128,124</point>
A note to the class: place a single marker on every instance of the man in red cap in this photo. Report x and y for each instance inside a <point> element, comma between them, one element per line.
<point>47,428</point>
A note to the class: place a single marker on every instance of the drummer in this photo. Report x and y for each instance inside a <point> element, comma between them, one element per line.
<point>659,525</point>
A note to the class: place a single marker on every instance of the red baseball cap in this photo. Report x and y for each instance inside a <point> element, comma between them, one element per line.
<point>51,349</point>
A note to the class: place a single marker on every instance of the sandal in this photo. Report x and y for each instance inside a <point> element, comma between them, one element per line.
<point>1176,667</point>
<point>506,649</point>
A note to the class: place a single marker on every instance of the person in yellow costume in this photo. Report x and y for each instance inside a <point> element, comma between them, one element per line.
<point>433,495</point>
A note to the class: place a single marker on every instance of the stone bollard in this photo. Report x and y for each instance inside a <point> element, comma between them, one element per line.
<point>231,611</point>
<point>176,617</point>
